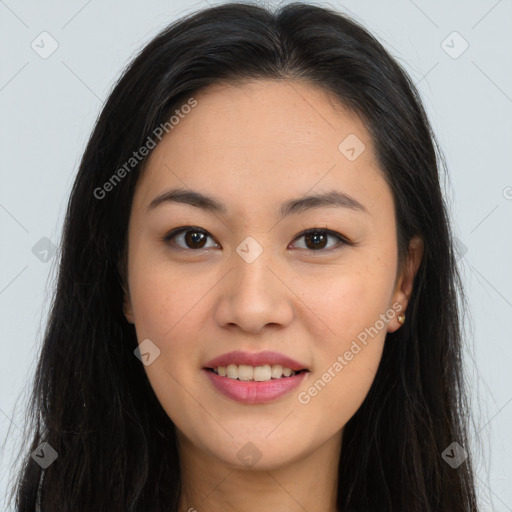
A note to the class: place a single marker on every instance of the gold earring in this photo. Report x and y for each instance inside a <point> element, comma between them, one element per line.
<point>401,319</point>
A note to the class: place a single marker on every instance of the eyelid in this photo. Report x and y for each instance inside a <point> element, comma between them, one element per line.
<point>183,229</point>
<point>327,231</point>
<point>342,240</point>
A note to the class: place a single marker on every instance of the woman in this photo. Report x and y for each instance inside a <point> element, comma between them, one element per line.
<point>208,348</point>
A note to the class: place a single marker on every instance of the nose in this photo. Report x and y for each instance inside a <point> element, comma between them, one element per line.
<point>254,295</point>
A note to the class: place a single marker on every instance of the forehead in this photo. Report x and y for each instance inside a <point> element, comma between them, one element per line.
<point>265,141</point>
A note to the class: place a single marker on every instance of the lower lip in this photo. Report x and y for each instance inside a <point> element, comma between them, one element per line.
<point>252,392</point>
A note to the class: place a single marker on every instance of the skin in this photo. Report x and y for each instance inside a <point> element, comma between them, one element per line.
<point>252,147</point>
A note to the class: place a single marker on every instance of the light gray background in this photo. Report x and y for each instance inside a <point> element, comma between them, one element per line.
<point>48,107</point>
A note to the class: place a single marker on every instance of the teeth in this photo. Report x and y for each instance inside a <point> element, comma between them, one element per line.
<point>276,371</point>
<point>232,371</point>
<point>246,372</point>
<point>261,373</point>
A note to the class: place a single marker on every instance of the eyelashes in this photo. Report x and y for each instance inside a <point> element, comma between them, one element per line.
<point>192,238</point>
<point>171,237</point>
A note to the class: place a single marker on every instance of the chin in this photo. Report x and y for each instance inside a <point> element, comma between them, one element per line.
<point>250,457</point>
<point>256,453</point>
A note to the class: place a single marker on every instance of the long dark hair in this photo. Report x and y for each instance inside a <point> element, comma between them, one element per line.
<point>91,400</point>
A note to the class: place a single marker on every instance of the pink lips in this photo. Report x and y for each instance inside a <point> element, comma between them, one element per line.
<point>252,392</point>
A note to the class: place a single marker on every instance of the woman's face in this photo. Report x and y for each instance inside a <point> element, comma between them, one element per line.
<point>244,277</point>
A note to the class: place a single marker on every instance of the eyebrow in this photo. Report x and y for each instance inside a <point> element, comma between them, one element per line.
<point>332,198</point>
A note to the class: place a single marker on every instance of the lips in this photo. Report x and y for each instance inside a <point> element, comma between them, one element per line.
<point>255,359</point>
<point>251,391</point>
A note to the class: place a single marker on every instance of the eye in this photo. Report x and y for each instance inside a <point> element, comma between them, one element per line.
<point>316,239</point>
<point>192,237</point>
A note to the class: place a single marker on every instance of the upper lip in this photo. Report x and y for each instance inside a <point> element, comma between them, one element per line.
<point>255,359</point>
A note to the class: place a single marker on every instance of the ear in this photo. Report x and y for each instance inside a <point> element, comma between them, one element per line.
<point>127,303</point>
<point>127,307</point>
<point>405,281</point>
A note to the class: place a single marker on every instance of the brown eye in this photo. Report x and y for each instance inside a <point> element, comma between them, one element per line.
<point>317,239</point>
<point>189,238</point>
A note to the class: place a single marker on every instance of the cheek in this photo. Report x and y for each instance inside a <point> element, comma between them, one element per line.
<point>347,302</point>
<point>354,348</point>
<point>166,305</point>
<point>170,307</point>
<point>164,298</point>
<point>350,348</point>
